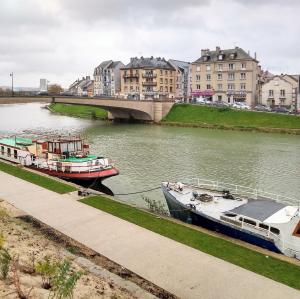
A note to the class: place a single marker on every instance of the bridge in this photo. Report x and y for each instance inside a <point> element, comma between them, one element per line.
<point>118,109</point>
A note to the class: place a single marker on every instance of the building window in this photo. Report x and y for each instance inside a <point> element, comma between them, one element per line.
<point>166,88</point>
<point>2,150</point>
<point>161,72</point>
<point>208,86</point>
<point>171,81</point>
<point>220,76</point>
<point>166,81</point>
<point>219,98</point>
<point>171,89</point>
<point>161,80</point>
<point>220,57</point>
<point>177,86</point>
<point>8,152</point>
<point>208,67</point>
<point>208,77</point>
<point>197,77</point>
<point>230,86</point>
<point>231,66</point>
<point>15,154</point>
<point>231,76</point>
<point>243,66</point>
<point>161,88</point>
<point>198,69</point>
<point>282,92</point>
<point>243,86</point>
<point>131,88</point>
<point>220,67</point>
<point>271,93</point>
<point>198,86</point>
<point>219,86</point>
<point>243,76</point>
<point>166,73</point>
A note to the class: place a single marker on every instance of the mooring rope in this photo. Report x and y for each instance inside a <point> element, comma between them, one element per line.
<point>137,192</point>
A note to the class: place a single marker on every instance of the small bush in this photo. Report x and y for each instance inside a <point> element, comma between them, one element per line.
<point>64,281</point>
<point>155,206</point>
<point>5,261</point>
<point>47,269</point>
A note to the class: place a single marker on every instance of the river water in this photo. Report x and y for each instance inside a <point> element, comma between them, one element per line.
<point>146,155</point>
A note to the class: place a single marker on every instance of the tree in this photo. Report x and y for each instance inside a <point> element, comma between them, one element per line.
<point>55,89</point>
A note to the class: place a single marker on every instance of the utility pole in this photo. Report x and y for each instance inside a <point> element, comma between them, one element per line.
<point>12,83</point>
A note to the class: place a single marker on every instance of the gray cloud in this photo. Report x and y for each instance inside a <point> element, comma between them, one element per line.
<point>65,39</point>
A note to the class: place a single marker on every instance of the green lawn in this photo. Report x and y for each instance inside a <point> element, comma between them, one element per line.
<point>197,114</point>
<point>79,111</point>
<point>273,268</point>
<point>34,178</point>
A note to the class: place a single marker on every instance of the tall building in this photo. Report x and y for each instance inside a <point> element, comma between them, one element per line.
<point>107,78</point>
<point>43,85</point>
<point>181,80</point>
<point>225,75</point>
<point>148,78</point>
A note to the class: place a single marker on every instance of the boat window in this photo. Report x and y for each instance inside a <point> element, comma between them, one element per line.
<point>264,226</point>
<point>15,154</point>
<point>275,230</point>
<point>2,150</point>
<point>297,230</point>
<point>249,221</point>
<point>241,218</point>
<point>230,214</point>
<point>8,152</point>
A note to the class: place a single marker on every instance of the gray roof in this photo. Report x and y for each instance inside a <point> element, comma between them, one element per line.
<point>180,64</point>
<point>258,209</point>
<point>149,63</point>
<point>213,55</point>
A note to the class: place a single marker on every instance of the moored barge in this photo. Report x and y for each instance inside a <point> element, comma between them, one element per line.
<point>65,157</point>
<point>240,212</point>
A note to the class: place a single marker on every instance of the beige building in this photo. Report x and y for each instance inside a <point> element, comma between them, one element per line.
<point>148,78</point>
<point>225,75</point>
<point>280,91</point>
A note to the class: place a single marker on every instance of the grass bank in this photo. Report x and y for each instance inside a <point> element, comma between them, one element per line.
<point>226,118</point>
<point>270,267</point>
<point>34,178</point>
<point>79,111</point>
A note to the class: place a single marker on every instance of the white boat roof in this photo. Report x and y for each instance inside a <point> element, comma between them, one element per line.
<point>259,209</point>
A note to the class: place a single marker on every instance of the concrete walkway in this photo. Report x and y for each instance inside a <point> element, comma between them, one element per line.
<point>179,269</point>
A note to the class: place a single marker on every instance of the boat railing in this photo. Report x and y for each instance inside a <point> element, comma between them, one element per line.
<point>239,190</point>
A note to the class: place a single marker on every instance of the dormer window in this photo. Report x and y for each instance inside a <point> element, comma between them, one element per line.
<point>206,58</point>
<point>232,55</point>
<point>220,57</point>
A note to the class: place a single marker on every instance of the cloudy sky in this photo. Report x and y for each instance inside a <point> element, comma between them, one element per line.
<point>62,40</point>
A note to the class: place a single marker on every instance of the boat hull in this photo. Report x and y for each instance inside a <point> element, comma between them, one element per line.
<point>181,212</point>
<point>80,176</point>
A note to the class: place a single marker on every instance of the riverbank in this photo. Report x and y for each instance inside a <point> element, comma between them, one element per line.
<point>286,272</point>
<point>187,115</point>
<point>78,111</point>
<point>33,242</point>
<point>37,179</point>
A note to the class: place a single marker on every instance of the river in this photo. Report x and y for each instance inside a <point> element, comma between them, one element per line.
<point>146,155</point>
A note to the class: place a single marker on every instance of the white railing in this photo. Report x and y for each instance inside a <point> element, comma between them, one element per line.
<point>239,190</point>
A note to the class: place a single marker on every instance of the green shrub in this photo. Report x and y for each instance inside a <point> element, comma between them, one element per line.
<point>5,261</point>
<point>47,269</point>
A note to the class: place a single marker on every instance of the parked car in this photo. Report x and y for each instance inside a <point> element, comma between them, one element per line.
<point>200,100</point>
<point>241,105</point>
<point>261,107</point>
<point>220,104</point>
<point>280,110</point>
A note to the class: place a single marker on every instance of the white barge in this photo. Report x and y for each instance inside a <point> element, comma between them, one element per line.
<point>240,212</point>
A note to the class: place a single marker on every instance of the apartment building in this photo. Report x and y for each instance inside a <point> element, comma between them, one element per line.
<point>82,87</point>
<point>280,91</point>
<point>181,80</point>
<point>148,78</point>
<point>107,78</point>
<point>225,75</point>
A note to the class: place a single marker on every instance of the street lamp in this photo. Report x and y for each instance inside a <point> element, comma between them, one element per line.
<point>12,83</point>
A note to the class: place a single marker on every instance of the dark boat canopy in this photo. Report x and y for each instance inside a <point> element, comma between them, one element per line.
<point>258,209</point>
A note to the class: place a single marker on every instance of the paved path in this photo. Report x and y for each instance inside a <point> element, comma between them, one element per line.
<point>179,269</point>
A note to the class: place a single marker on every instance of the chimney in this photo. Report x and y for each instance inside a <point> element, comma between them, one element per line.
<point>88,77</point>
<point>255,55</point>
<point>218,49</point>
